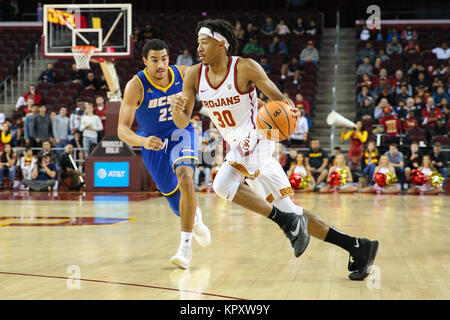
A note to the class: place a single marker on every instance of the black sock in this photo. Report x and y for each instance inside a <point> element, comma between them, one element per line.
<point>342,240</point>
<point>283,219</point>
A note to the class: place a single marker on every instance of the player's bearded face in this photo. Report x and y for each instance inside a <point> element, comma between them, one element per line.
<point>157,63</point>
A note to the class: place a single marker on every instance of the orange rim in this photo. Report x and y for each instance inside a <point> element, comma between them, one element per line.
<point>84,49</point>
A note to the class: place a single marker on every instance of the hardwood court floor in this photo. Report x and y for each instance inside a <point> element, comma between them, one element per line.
<point>120,245</point>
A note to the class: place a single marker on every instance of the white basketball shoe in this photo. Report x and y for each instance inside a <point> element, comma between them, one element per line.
<point>183,257</point>
<point>201,232</point>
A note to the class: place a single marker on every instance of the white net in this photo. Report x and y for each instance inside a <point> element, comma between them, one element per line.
<point>82,56</point>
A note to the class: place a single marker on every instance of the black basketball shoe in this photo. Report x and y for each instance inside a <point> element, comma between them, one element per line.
<point>363,258</point>
<point>298,234</point>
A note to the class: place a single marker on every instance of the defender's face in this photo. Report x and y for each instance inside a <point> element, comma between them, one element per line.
<point>157,63</point>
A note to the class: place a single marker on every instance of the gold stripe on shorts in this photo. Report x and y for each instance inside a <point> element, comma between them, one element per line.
<point>286,191</point>
<point>242,169</point>
<point>270,198</point>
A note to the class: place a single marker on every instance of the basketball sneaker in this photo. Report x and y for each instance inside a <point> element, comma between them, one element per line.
<point>201,232</point>
<point>298,234</point>
<point>183,257</point>
<point>360,263</point>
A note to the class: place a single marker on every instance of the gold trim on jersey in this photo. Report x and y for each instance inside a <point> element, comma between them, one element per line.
<point>184,157</point>
<point>158,87</point>
<point>170,193</point>
<point>242,169</point>
<point>181,73</point>
<point>286,191</point>
<point>142,92</point>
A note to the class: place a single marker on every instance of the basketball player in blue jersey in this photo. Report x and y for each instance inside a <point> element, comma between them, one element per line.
<point>169,153</point>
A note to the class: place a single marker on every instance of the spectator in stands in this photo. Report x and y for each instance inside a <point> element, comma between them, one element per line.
<point>90,125</point>
<point>445,108</point>
<point>301,102</point>
<point>382,55</point>
<point>311,29</point>
<point>365,112</point>
<point>378,65</point>
<point>6,134</point>
<point>253,47</point>
<point>29,123</point>
<point>364,34</point>
<point>77,75</point>
<point>18,139</point>
<point>90,83</point>
<point>41,125</point>
<point>411,47</point>
<point>396,159</point>
<point>300,168</point>
<point>136,34</point>
<point>391,125</point>
<point>439,161</point>
<point>367,51</point>
<point>75,116</point>
<point>282,28</point>
<point>399,79</point>
<point>383,91</point>
<point>60,125</point>
<point>77,142</point>
<point>300,135</point>
<point>268,27</point>
<point>43,174</point>
<point>408,34</point>
<point>239,31</point>
<point>317,159</point>
<point>413,159</point>
<point>278,47</point>
<point>294,68</point>
<point>442,71</point>
<point>280,154</point>
<point>365,67</point>
<point>298,28</point>
<point>102,84</point>
<point>264,62</point>
<point>402,96</point>
<point>442,52</point>
<point>251,31</point>
<point>394,46</point>
<point>148,33</point>
<point>410,122</point>
<point>309,54</point>
<point>28,107</point>
<point>68,170</point>
<point>370,160</point>
<point>47,148</point>
<point>430,113</point>
<point>291,158</point>
<point>440,94</point>
<point>358,138</point>
<point>440,129</point>
<point>379,109</point>
<point>185,59</point>
<point>392,33</point>
<point>48,75</point>
<point>8,159</point>
<point>100,110</point>
<point>26,163</point>
<point>32,93</point>
<point>362,95</point>
<point>366,81</point>
<point>205,165</point>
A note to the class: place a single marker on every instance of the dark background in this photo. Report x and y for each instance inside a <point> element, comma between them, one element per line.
<point>349,10</point>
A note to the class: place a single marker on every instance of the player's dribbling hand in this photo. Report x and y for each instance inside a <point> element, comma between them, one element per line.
<point>178,103</point>
<point>153,143</point>
<point>295,111</point>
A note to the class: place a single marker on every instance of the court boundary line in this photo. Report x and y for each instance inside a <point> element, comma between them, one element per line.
<point>121,283</point>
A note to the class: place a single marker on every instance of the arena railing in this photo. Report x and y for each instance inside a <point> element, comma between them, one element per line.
<point>336,63</point>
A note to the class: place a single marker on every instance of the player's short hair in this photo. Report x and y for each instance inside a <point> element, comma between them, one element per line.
<point>224,28</point>
<point>154,44</point>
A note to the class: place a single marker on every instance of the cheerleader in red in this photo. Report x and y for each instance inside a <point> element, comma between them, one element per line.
<point>339,178</point>
<point>384,178</point>
<point>425,180</point>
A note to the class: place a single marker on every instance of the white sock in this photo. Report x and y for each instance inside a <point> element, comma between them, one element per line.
<point>285,204</point>
<point>186,239</point>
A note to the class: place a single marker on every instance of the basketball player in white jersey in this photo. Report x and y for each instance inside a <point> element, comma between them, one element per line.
<point>226,86</point>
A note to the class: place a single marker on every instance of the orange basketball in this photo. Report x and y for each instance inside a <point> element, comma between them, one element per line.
<point>275,121</point>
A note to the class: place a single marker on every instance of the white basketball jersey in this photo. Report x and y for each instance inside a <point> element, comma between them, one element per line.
<point>233,112</point>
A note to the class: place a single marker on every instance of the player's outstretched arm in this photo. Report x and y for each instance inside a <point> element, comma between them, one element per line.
<point>183,104</point>
<point>130,100</point>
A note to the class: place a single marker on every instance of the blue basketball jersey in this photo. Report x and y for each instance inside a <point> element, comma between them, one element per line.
<point>154,113</point>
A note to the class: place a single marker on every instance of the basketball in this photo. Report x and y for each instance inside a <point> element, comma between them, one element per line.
<point>275,121</point>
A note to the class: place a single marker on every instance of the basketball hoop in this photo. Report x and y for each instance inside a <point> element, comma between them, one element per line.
<point>82,55</point>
